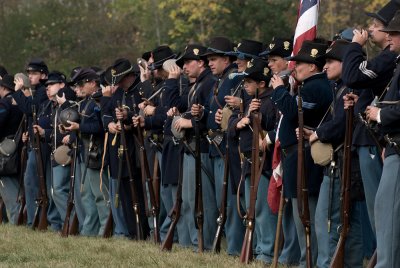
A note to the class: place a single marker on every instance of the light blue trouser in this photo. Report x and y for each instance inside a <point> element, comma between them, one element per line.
<point>301,235</point>
<point>290,254</point>
<point>210,211</point>
<point>387,214</point>
<point>9,192</point>
<point>31,185</point>
<point>327,241</point>
<point>168,197</point>
<point>61,179</point>
<point>265,221</point>
<point>53,215</point>
<point>371,172</point>
<point>120,225</point>
<point>94,201</point>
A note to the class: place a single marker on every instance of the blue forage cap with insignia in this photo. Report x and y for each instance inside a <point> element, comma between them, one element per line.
<point>257,69</point>
<point>37,65</point>
<point>85,75</point>
<point>192,52</point>
<point>281,47</point>
<point>386,13</point>
<point>247,49</point>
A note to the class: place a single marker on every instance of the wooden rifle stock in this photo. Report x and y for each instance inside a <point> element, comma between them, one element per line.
<point>108,228</point>
<point>302,190</point>
<point>278,234</point>
<point>40,218</point>
<point>21,196</point>
<point>70,205</point>
<point>175,213</point>
<point>345,199</point>
<point>148,184</point>
<point>74,228</point>
<point>216,247</point>
<point>1,210</point>
<point>134,192</point>
<point>246,255</point>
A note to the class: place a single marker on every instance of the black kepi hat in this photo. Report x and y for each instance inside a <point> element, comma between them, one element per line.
<point>54,77</point>
<point>37,65</point>
<point>85,75</point>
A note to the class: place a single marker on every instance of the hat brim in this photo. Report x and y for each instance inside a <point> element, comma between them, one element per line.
<point>9,87</point>
<point>376,16</point>
<point>390,30</point>
<point>181,60</point>
<point>257,76</point>
<point>242,55</point>
<point>158,64</point>
<point>213,51</point>
<point>303,58</point>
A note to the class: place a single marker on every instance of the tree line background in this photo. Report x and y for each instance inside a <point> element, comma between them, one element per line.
<point>70,33</point>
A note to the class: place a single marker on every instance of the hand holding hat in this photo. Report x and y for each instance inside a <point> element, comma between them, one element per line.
<point>19,83</point>
<point>360,36</point>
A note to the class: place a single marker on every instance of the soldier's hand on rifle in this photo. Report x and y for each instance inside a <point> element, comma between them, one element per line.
<point>73,126</point>
<point>65,140</point>
<point>243,123</point>
<point>196,110</point>
<point>138,119</point>
<point>121,114</point>
<point>19,83</point>
<point>360,36</point>
<point>276,81</point>
<point>25,137</point>
<point>174,72</point>
<point>232,101</point>
<point>350,99</point>
<point>149,110</point>
<point>372,113</point>
<point>254,105</point>
<point>183,123</point>
<point>38,129</point>
<point>218,116</point>
<point>306,133</point>
<point>114,128</point>
<point>173,111</point>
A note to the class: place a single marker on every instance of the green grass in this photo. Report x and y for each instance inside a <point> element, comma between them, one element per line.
<point>22,247</point>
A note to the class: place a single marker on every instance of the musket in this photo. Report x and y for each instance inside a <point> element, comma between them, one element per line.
<point>221,220</point>
<point>2,206</point>
<point>156,181</point>
<point>39,220</point>
<point>147,183</point>
<point>134,192</point>
<point>345,199</point>
<point>199,213</point>
<point>278,231</point>
<point>70,204</point>
<point>175,212</point>
<point>302,190</point>
<point>246,255</point>
<point>22,213</point>
<point>108,228</point>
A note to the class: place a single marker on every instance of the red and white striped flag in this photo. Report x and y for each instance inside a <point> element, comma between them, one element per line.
<point>306,28</point>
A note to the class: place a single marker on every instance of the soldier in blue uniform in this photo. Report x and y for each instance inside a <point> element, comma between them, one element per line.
<point>10,119</point>
<point>196,67</point>
<point>372,76</point>
<point>257,77</point>
<point>332,130</point>
<point>94,186</point>
<point>48,121</point>
<point>317,97</point>
<point>276,52</point>
<point>37,70</point>
<point>222,66</point>
<point>123,78</point>
<point>387,206</point>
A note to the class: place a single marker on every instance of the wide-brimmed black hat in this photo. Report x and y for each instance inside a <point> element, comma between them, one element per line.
<point>146,55</point>
<point>3,71</point>
<point>192,52</point>
<point>311,52</point>
<point>8,82</point>
<point>219,45</point>
<point>85,75</point>
<point>336,50</point>
<point>37,65</point>
<point>394,24</point>
<point>247,49</point>
<point>258,70</point>
<point>54,77</point>
<point>386,13</point>
<point>161,54</point>
<point>281,47</point>
<point>121,68</point>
